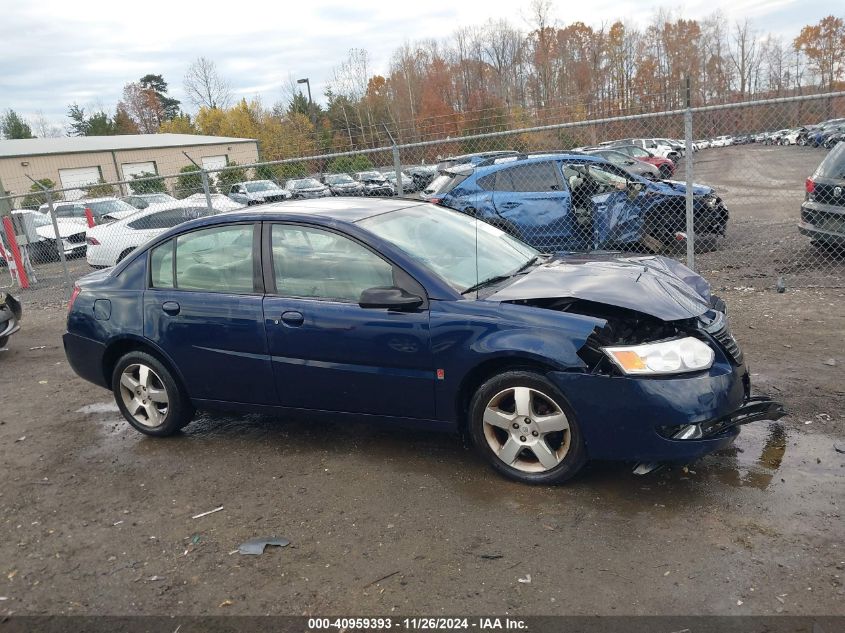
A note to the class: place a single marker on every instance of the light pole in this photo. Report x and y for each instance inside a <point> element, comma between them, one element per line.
<point>310,103</point>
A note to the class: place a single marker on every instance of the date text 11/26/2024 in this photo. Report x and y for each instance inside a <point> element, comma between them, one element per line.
<point>417,624</point>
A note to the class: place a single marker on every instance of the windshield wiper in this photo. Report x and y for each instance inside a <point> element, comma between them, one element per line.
<point>527,265</point>
<point>486,282</point>
<point>497,278</point>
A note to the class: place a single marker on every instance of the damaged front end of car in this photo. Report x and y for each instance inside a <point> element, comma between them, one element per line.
<point>664,379</point>
<point>10,317</point>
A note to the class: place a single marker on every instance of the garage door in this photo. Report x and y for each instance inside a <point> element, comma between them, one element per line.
<point>77,179</point>
<point>138,169</point>
<point>214,162</point>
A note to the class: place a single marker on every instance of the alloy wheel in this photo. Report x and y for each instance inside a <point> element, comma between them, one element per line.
<point>526,429</point>
<point>144,395</point>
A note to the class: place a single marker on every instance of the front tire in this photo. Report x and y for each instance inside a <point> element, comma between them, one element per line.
<point>148,395</point>
<point>523,426</point>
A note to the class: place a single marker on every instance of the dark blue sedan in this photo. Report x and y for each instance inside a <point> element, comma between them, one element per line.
<point>405,312</point>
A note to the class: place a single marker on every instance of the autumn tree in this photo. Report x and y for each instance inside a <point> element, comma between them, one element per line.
<point>180,124</point>
<point>12,126</point>
<point>824,46</point>
<point>169,106</point>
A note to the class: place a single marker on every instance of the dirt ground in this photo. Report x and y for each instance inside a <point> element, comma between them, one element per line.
<point>97,519</point>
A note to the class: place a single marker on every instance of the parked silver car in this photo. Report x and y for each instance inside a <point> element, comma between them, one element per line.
<point>257,192</point>
<point>631,165</point>
<point>308,188</point>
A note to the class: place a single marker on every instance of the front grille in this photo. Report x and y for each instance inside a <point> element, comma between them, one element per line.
<point>274,198</point>
<point>77,238</point>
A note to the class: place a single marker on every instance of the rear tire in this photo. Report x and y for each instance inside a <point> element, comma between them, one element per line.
<point>524,427</point>
<point>665,171</point>
<point>149,396</point>
<point>123,255</point>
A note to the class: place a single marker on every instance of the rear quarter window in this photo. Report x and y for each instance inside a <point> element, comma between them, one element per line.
<point>444,183</point>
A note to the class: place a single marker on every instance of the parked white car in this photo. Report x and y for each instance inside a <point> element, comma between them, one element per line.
<point>722,141</point>
<point>658,147</point>
<point>102,209</point>
<point>108,244</point>
<point>218,201</point>
<point>41,236</point>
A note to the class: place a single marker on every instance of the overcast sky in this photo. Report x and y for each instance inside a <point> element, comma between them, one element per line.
<point>56,52</point>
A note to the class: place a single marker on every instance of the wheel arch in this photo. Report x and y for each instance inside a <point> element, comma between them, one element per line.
<point>485,370</point>
<point>118,348</point>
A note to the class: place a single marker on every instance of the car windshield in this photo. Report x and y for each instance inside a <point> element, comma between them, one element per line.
<point>103,207</point>
<point>39,219</point>
<point>339,179</point>
<point>460,249</point>
<point>833,165</point>
<point>260,185</point>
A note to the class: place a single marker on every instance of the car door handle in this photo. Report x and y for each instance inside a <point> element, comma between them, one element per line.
<point>511,205</point>
<point>293,318</point>
<point>170,307</point>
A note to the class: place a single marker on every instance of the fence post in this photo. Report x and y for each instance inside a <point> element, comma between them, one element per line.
<point>60,246</point>
<point>397,167</point>
<point>688,152</point>
<point>206,188</point>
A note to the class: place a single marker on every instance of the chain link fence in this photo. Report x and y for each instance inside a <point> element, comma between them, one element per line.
<point>749,194</point>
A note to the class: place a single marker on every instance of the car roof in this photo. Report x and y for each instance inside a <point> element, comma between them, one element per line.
<point>326,210</point>
<point>538,158</point>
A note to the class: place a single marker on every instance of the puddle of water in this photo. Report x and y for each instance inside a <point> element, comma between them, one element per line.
<point>99,407</point>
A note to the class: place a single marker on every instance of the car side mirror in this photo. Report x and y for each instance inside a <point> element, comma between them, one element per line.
<point>389,297</point>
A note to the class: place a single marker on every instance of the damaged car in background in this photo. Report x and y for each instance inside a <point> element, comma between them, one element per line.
<point>578,202</point>
<point>10,317</point>
<point>412,314</point>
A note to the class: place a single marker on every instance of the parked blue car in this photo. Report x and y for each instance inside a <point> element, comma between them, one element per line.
<point>405,312</point>
<point>577,202</point>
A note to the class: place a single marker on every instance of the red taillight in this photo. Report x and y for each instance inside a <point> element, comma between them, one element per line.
<point>435,200</point>
<point>92,241</point>
<point>810,185</point>
<point>73,296</point>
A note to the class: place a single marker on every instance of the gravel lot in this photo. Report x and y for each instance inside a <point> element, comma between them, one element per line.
<point>97,518</point>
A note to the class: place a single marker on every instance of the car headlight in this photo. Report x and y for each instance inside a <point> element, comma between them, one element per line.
<point>667,357</point>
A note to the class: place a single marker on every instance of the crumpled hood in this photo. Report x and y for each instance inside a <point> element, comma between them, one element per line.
<point>658,286</point>
<point>670,187</point>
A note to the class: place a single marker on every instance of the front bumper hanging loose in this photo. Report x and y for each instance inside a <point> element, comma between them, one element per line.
<point>754,409</point>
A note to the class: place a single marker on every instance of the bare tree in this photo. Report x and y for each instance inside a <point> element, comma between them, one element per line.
<point>44,128</point>
<point>204,85</point>
<point>744,56</point>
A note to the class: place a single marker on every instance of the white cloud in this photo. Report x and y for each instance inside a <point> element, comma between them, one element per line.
<point>55,52</point>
